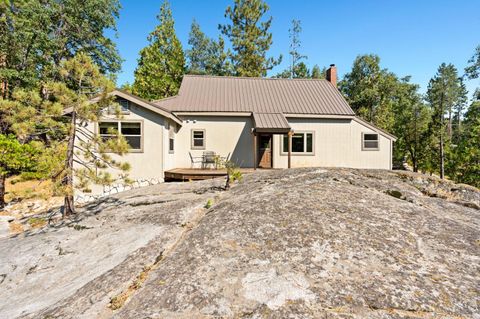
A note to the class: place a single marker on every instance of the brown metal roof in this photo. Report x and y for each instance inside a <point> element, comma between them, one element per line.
<point>270,122</point>
<point>257,95</point>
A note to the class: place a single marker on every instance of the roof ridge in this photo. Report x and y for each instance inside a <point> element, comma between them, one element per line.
<point>250,77</point>
<point>165,98</point>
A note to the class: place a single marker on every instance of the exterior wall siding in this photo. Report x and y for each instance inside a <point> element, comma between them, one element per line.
<point>337,143</point>
<point>223,135</point>
<point>146,166</point>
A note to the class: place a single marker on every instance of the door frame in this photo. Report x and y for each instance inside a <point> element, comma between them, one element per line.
<point>259,158</point>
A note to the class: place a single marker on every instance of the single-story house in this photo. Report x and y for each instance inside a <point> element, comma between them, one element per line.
<point>253,122</point>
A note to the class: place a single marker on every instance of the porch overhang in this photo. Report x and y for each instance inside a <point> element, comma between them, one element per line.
<point>271,123</point>
<point>274,123</point>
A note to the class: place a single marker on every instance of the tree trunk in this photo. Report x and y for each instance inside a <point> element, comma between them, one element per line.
<point>227,182</point>
<point>2,191</point>
<point>450,129</point>
<point>68,179</point>
<point>442,127</point>
<point>442,158</point>
<point>414,163</point>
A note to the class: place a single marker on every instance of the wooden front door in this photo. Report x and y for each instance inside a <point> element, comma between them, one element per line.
<point>265,151</point>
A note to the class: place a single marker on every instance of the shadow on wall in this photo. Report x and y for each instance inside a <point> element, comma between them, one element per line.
<point>242,154</point>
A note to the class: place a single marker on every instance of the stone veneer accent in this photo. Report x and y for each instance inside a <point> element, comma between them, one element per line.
<point>116,188</point>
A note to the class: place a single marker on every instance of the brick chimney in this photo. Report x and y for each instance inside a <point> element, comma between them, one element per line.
<point>332,74</point>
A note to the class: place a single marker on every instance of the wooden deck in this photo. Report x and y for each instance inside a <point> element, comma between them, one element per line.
<point>185,174</point>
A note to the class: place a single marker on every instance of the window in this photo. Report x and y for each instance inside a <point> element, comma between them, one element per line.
<point>198,139</point>
<point>171,145</point>
<point>124,106</point>
<point>302,142</point>
<point>132,131</point>
<point>369,141</point>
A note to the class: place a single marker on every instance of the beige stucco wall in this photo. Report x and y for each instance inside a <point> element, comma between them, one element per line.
<point>337,143</point>
<point>224,135</point>
<point>147,164</point>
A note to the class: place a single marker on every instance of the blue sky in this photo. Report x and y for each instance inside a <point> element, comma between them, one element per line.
<point>412,37</point>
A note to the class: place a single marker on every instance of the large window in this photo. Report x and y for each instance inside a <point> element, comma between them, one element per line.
<point>132,131</point>
<point>198,139</point>
<point>302,143</point>
<point>370,142</point>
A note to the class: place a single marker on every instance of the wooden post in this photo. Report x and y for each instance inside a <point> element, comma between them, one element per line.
<point>290,149</point>
<point>255,151</point>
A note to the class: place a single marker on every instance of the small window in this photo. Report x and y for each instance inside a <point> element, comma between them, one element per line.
<point>198,139</point>
<point>370,141</point>
<point>124,105</point>
<point>132,131</point>
<point>301,143</point>
<point>171,145</point>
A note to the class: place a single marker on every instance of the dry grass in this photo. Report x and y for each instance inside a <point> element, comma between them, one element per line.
<point>119,300</point>
<point>15,228</point>
<point>37,222</point>
<point>20,190</point>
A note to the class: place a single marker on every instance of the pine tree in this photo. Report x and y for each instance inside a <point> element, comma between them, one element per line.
<point>468,150</point>
<point>197,55</point>
<point>472,71</point>
<point>205,55</point>
<point>86,156</point>
<point>15,158</point>
<point>250,37</point>
<point>318,73</point>
<point>370,90</point>
<point>35,36</point>
<point>444,92</point>
<point>411,125</point>
<point>161,64</point>
<point>296,70</point>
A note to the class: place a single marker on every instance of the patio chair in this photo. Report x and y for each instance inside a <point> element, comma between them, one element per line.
<point>209,157</point>
<point>195,159</point>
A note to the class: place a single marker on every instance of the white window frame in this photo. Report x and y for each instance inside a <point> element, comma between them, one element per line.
<point>193,147</point>
<point>130,150</point>
<point>304,153</point>
<point>364,148</point>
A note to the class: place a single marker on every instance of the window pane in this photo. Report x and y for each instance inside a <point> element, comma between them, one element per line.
<point>134,142</point>
<point>309,142</point>
<point>105,127</point>
<point>197,134</point>
<point>370,144</point>
<point>124,107</point>
<point>171,144</point>
<point>370,137</point>
<point>285,143</point>
<point>131,128</point>
<point>265,141</point>
<point>298,141</point>
<point>197,142</point>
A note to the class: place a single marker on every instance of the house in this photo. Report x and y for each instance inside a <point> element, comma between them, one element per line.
<point>254,122</point>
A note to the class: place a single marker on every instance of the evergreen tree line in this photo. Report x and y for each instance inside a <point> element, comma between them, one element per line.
<point>437,131</point>
<point>55,57</point>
